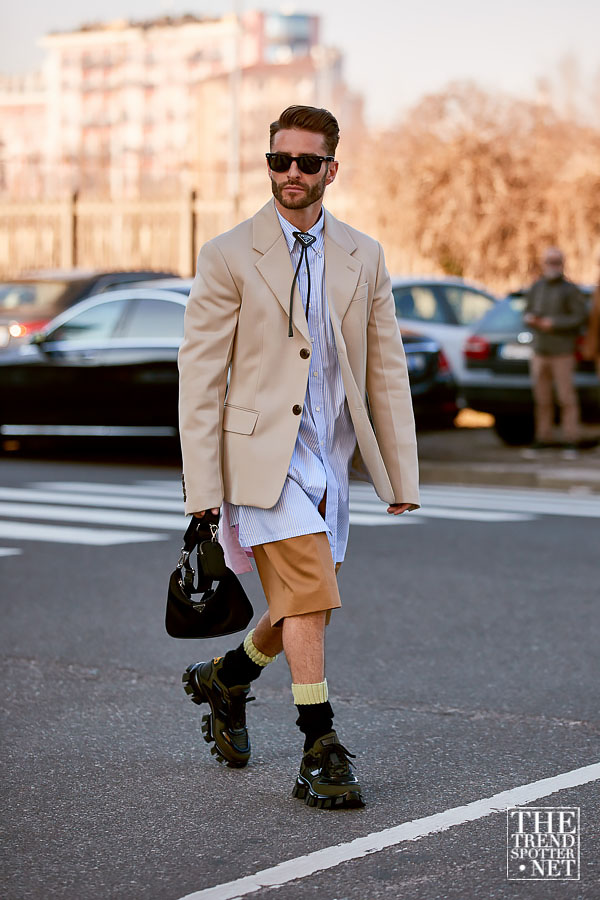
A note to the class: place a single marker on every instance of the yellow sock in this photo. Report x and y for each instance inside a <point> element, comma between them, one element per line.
<point>261,659</point>
<point>310,693</point>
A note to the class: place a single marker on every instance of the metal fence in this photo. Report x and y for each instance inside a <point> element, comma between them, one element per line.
<point>115,234</point>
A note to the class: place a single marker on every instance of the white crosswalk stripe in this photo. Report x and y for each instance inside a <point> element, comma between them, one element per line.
<point>109,513</point>
<point>165,489</point>
<point>534,501</point>
<point>34,531</point>
<point>436,512</point>
<point>450,501</point>
<point>97,516</point>
<point>89,498</point>
<point>362,517</point>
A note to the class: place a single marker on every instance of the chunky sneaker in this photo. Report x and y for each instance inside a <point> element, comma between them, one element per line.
<point>225,724</point>
<point>326,779</point>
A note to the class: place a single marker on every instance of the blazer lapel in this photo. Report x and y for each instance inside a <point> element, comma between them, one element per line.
<point>275,264</point>
<point>341,269</point>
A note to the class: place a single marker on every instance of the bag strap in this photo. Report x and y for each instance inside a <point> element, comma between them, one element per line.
<point>199,529</point>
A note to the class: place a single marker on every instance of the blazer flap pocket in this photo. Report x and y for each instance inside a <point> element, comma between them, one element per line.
<point>238,419</point>
<point>361,293</point>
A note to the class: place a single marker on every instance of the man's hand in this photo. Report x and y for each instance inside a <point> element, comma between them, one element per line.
<point>200,514</point>
<point>544,323</point>
<point>396,509</point>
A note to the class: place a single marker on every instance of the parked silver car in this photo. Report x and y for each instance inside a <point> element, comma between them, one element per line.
<point>445,309</point>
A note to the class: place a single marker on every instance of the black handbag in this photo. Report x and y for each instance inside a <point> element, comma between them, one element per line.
<point>219,610</point>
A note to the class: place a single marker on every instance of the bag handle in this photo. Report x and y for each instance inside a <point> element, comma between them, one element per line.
<point>199,529</point>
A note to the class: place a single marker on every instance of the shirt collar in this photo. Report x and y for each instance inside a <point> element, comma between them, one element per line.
<point>288,229</point>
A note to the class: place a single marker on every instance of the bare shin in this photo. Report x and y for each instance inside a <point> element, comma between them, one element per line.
<point>304,645</point>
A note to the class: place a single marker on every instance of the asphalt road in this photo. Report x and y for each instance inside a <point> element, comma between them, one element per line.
<point>463,664</point>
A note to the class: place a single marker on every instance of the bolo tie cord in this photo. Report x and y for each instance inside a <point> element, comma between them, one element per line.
<point>305,241</point>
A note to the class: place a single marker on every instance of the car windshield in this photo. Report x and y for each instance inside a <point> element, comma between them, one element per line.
<point>507,315</point>
<point>31,294</point>
<point>467,305</point>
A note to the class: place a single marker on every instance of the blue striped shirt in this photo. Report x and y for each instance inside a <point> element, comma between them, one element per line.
<point>326,439</point>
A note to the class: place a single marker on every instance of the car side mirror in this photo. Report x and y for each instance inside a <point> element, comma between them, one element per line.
<point>39,339</point>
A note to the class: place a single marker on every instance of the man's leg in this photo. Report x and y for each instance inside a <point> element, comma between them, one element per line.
<point>299,580</point>
<point>563,368</point>
<point>541,377</point>
<point>224,683</point>
<point>268,638</point>
<point>304,645</point>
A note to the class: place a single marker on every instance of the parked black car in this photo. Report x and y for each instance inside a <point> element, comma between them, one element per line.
<point>108,361</point>
<point>109,366</point>
<point>27,304</point>
<point>497,357</point>
<point>432,385</point>
<point>432,379</point>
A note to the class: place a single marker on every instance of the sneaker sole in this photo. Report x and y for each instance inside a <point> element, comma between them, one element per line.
<point>348,800</point>
<point>198,696</point>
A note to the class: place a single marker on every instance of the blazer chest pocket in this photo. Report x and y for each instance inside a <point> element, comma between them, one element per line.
<point>239,419</point>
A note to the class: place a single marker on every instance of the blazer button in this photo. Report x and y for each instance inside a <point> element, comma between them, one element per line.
<point>304,353</point>
<point>296,409</point>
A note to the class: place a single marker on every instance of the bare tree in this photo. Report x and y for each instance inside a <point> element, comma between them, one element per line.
<point>476,184</point>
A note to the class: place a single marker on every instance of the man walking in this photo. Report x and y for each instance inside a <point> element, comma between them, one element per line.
<point>555,311</point>
<point>297,308</point>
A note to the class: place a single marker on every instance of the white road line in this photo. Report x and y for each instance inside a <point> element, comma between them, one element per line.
<point>97,516</point>
<point>457,503</point>
<point>509,491</point>
<point>162,483</point>
<point>472,515</point>
<point>555,506</point>
<point>329,857</point>
<point>10,551</point>
<point>62,534</point>
<point>525,502</point>
<point>448,512</point>
<point>168,489</point>
<point>82,498</point>
<point>363,518</point>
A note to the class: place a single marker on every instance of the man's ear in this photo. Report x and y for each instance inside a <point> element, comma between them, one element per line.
<point>333,170</point>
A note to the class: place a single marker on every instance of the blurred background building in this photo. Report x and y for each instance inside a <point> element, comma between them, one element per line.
<point>139,140</point>
<point>145,108</point>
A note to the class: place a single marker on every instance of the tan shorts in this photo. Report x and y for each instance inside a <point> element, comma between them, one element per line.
<point>298,576</point>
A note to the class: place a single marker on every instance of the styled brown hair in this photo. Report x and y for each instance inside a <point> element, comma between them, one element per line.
<point>309,118</point>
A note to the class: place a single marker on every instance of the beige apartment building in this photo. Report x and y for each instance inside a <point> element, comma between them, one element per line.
<point>131,109</point>
<point>22,130</point>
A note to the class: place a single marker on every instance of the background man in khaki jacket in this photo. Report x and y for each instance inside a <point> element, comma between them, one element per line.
<point>555,312</point>
<point>297,309</point>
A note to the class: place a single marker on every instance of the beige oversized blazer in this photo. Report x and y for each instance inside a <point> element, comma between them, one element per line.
<point>237,438</point>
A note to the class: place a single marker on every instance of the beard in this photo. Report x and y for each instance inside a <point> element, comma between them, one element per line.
<point>552,273</point>
<point>311,194</point>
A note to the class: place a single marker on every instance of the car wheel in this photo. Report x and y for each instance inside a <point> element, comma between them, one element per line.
<point>514,430</point>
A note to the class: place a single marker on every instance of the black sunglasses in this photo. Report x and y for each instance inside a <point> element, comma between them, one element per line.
<point>310,165</point>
